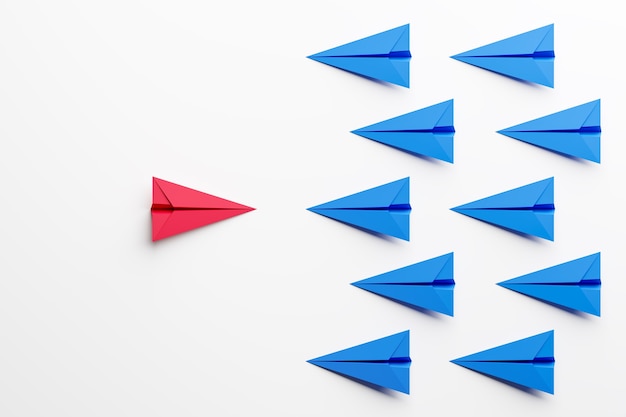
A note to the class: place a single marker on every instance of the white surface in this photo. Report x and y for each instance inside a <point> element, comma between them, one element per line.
<point>98,97</point>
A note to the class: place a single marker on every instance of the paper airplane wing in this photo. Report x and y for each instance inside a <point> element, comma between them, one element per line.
<point>523,222</point>
<point>536,41</point>
<point>427,132</point>
<point>384,349</point>
<point>426,272</point>
<point>177,209</point>
<point>176,196</point>
<point>573,132</point>
<point>393,376</point>
<point>537,347</point>
<point>380,44</point>
<point>384,209</point>
<point>383,362</point>
<point>528,209</point>
<point>384,56</point>
<point>385,196</point>
<point>539,377</point>
<point>394,223</point>
<point>170,223</point>
<point>578,271</point>
<point>572,285</point>
<point>530,196</point>
<point>391,70</point>
<point>427,119</point>
<point>527,362</point>
<point>528,56</point>
<point>585,117</point>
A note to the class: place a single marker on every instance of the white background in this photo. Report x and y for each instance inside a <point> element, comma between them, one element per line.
<point>96,97</point>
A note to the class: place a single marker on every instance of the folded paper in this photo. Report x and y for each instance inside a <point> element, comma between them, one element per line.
<point>384,56</point>
<point>573,132</point>
<point>384,209</point>
<point>383,362</point>
<point>425,285</point>
<point>573,285</point>
<point>526,210</point>
<point>425,132</point>
<point>527,362</point>
<point>528,56</point>
<point>177,209</point>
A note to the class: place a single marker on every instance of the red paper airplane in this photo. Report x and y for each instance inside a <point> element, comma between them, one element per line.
<point>177,209</point>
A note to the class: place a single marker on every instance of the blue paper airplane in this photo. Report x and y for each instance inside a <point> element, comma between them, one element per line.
<point>527,362</point>
<point>383,362</point>
<point>428,284</point>
<point>426,132</point>
<point>526,210</point>
<point>528,56</point>
<point>574,132</point>
<point>384,209</point>
<point>574,285</point>
<point>384,56</point>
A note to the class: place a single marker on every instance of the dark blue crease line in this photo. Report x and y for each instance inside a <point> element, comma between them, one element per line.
<point>438,283</point>
<point>585,283</point>
<point>389,361</point>
<point>437,129</point>
<point>586,129</point>
<point>540,208</point>
<point>538,361</point>
<point>160,209</point>
<point>400,360</point>
<point>391,55</point>
<point>393,208</point>
<point>544,54</point>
